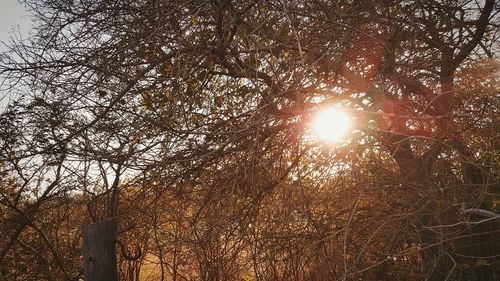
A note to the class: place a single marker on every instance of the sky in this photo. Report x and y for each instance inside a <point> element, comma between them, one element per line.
<point>12,15</point>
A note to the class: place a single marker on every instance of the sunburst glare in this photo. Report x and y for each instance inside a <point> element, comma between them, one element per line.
<point>331,124</point>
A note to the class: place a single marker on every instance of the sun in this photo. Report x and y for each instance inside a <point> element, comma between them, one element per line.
<point>331,124</point>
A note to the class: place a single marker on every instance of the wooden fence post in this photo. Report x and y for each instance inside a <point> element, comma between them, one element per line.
<point>99,251</point>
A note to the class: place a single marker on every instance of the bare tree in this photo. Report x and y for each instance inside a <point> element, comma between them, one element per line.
<point>187,124</point>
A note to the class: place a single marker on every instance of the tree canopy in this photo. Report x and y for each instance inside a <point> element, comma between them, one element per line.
<point>189,124</point>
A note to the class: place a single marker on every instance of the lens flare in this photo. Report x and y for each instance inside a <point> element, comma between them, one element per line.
<point>331,124</point>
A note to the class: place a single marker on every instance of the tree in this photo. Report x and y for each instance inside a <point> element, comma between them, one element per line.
<point>196,113</point>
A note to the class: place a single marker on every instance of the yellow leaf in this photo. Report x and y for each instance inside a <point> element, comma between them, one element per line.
<point>146,100</point>
<point>482,262</point>
<point>166,68</point>
<point>286,54</point>
<point>396,8</point>
<point>495,207</point>
<point>195,20</point>
<point>192,85</point>
<point>195,118</point>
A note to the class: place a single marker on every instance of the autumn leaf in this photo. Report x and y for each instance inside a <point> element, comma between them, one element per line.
<point>195,20</point>
<point>218,101</point>
<point>482,262</point>
<point>146,101</point>
<point>166,68</point>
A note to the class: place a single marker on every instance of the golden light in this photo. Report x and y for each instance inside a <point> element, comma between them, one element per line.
<point>331,124</point>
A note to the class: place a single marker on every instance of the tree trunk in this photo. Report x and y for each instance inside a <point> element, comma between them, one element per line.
<point>463,253</point>
<point>435,261</point>
<point>99,251</point>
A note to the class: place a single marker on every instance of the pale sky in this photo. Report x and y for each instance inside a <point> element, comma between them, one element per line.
<point>12,15</point>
